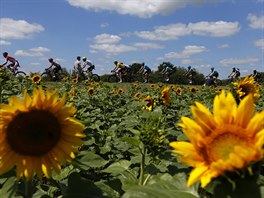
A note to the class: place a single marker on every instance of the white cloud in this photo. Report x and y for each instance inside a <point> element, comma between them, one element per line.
<point>215,29</point>
<point>147,46</point>
<point>18,29</point>
<point>256,22</point>
<point>204,28</point>
<point>187,62</point>
<point>239,61</point>
<point>110,44</point>
<point>107,38</point>
<point>3,42</point>
<point>187,52</point>
<point>140,8</point>
<point>38,51</point>
<point>112,48</point>
<point>168,32</point>
<point>259,43</point>
<point>223,46</point>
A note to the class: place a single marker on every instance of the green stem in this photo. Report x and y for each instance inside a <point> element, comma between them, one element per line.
<point>142,166</point>
<point>28,188</point>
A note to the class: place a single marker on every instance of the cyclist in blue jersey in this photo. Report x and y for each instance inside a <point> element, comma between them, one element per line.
<point>167,71</point>
<point>145,71</point>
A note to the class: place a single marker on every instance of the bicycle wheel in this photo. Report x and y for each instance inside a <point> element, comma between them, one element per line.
<point>20,74</point>
<point>62,75</point>
<point>112,79</point>
<point>95,78</point>
<point>46,76</point>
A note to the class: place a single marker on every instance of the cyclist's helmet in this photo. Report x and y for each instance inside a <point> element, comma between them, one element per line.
<point>189,67</point>
<point>78,58</point>
<point>51,60</point>
<point>212,69</point>
<point>5,54</point>
<point>84,58</point>
<point>234,69</point>
<point>115,62</point>
<point>143,64</point>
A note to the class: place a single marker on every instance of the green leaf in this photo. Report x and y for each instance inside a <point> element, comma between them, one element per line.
<point>82,188</point>
<point>8,189</point>
<point>155,192</point>
<point>89,159</point>
<point>118,167</point>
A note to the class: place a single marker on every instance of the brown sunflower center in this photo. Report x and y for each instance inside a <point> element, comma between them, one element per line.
<point>33,133</point>
<point>36,78</point>
<point>223,145</point>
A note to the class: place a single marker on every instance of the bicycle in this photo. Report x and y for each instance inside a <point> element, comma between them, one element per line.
<point>89,75</point>
<point>17,73</point>
<point>127,77</point>
<point>166,77</point>
<point>210,81</point>
<point>49,75</point>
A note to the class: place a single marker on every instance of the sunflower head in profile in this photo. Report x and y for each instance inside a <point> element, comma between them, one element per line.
<point>247,86</point>
<point>165,96</point>
<point>137,95</point>
<point>38,134</point>
<point>150,103</point>
<point>91,90</point>
<point>36,79</point>
<point>227,140</point>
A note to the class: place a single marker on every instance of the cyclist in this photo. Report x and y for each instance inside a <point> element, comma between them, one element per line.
<point>54,68</point>
<point>77,67</point>
<point>121,70</point>
<point>235,74</point>
<point>89,63</point>
<point>145,71</point>
<point>167,71</point>
<point>190,73</point>
<point>13,65</point>
<point>256,75</point>
<point>212,77</point>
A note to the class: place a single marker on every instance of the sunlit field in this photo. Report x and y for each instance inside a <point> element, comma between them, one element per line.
<point>131,140</point>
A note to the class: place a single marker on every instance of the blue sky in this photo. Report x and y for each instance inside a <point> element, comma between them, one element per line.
<point>200,33</point>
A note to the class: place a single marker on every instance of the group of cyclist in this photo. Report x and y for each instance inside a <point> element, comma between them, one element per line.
<point>81,67</point>
<point>122,69</point>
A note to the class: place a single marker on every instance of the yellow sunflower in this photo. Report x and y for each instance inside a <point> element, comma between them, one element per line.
<point>247,86</point>
<point>38,134</point>
<point>193,89</point>
<point>91,90</point>
<point>165,96</point>
<point>150,103</point>
<point>178,91</point>
<point>36,79</point>
<point>72,93</point>
<point>229,139</point>
<point>121,90</point>
<point>74,80</point>
<point>137,95</point>
<point>152,86</point>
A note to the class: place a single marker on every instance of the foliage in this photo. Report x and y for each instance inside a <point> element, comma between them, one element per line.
<point>126,152</point>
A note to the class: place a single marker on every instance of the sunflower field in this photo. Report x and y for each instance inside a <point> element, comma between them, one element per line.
<point>131,140</point>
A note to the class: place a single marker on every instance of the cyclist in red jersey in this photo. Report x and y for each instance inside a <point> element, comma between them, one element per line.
<point>13,62</point>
